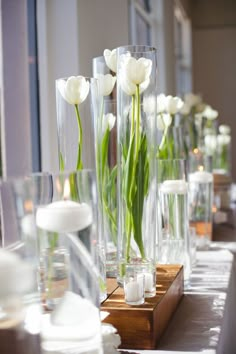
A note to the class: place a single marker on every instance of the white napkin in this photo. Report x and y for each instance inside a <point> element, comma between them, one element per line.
<point>110,338</point>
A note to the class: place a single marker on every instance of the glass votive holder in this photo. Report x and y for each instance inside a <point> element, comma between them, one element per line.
<point>134,286</point>
<point>200,205</point>
<point>173,194</point>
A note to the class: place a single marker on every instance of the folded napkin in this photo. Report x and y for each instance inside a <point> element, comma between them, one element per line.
<point>110,339</point>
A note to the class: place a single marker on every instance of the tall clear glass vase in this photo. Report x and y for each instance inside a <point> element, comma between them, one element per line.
<point>106,160</point>
<point>136,84</point>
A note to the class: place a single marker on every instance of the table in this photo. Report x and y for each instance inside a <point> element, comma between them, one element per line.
<point>205,320</point>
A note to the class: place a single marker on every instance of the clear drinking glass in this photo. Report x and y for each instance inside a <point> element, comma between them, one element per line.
<point>173,194</point>
<point>200,180</point>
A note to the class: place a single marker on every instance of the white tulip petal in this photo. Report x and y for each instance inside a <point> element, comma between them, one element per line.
<point>76,89</point>
<point>224,129</point>
<point>106,84</point>
<point>135,71</point>
<point>210,113</point>
<point>161,103</point>
<point>192,99</point>
<point>173,104</point>
<point>223,139</point>
<point>127,86</point>
<point>110,59</point>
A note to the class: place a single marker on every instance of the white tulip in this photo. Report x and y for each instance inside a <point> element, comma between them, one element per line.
<point>110,59</point>
<point>210,143</point>
<point>108,122</point>
<point>210,113</point>
<point>134,72</point>
<point>161,103</point>
<point>192,99</point>
<point>185,110</point>
<point>223,139</point>
<point>173,104</point>
<point>224,129</point>
<point>164,120</point>
<point>74,90</point>
<point>106,83</point>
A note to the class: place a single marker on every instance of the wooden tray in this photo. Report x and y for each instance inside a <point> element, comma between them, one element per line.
<point>141,327</point>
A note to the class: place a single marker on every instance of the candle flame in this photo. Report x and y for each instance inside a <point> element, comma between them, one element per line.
<point>214,209</point>
<point>58,185</point>
<point>66,193</point>
<point>200,168</point>
<point>28,205</point>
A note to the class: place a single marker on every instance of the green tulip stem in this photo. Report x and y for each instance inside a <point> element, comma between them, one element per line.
<point>79,165</point>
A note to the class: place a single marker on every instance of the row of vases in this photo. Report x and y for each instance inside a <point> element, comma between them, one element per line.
<point>127,183</point>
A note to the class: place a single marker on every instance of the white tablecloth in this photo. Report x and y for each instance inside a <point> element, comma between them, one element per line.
<point>205,319</point>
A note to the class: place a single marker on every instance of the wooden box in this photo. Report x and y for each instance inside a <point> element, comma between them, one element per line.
<point>141,327</point>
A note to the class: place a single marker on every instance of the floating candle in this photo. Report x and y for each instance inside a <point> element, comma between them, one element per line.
<point>174,186</point>
<point>201,177</point>
<point>64,216</point>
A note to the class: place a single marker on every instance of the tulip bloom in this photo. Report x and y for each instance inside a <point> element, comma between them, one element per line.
<point>133,73</point>
<point>110,59</point>
<point>173,104</point>
<point>106,83</point>
<point>224,129</point>
<point>74,90</point>
<point>108,122</point>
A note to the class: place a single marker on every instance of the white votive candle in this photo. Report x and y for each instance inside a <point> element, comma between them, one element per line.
<point>174,186</point>
<point>148,282</point>
<point>64,216</point>
<point>134,291</point>
<point>200,177</point>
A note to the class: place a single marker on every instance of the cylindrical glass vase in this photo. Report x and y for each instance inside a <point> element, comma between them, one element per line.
<point>136,81</point>
<point>20,308</point>
<point>173,145</point>
<point>200,180</point>
<point>77,104</point>
<point>66,219</point>
<point>173,193</point>
<point>105,129</point>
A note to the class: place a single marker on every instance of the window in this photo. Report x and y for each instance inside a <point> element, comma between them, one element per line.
<point>141,22</point>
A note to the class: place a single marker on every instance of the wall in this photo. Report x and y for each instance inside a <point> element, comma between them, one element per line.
<point>214,58</point>
<point>70,34</point>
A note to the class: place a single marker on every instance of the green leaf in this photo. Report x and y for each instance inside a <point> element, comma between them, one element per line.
<point>104,150</point>
<point>142,180</point>
<point>129,173</point>
<point>61,162</point>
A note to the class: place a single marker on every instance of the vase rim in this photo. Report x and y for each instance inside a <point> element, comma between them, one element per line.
<point>137,48</point>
